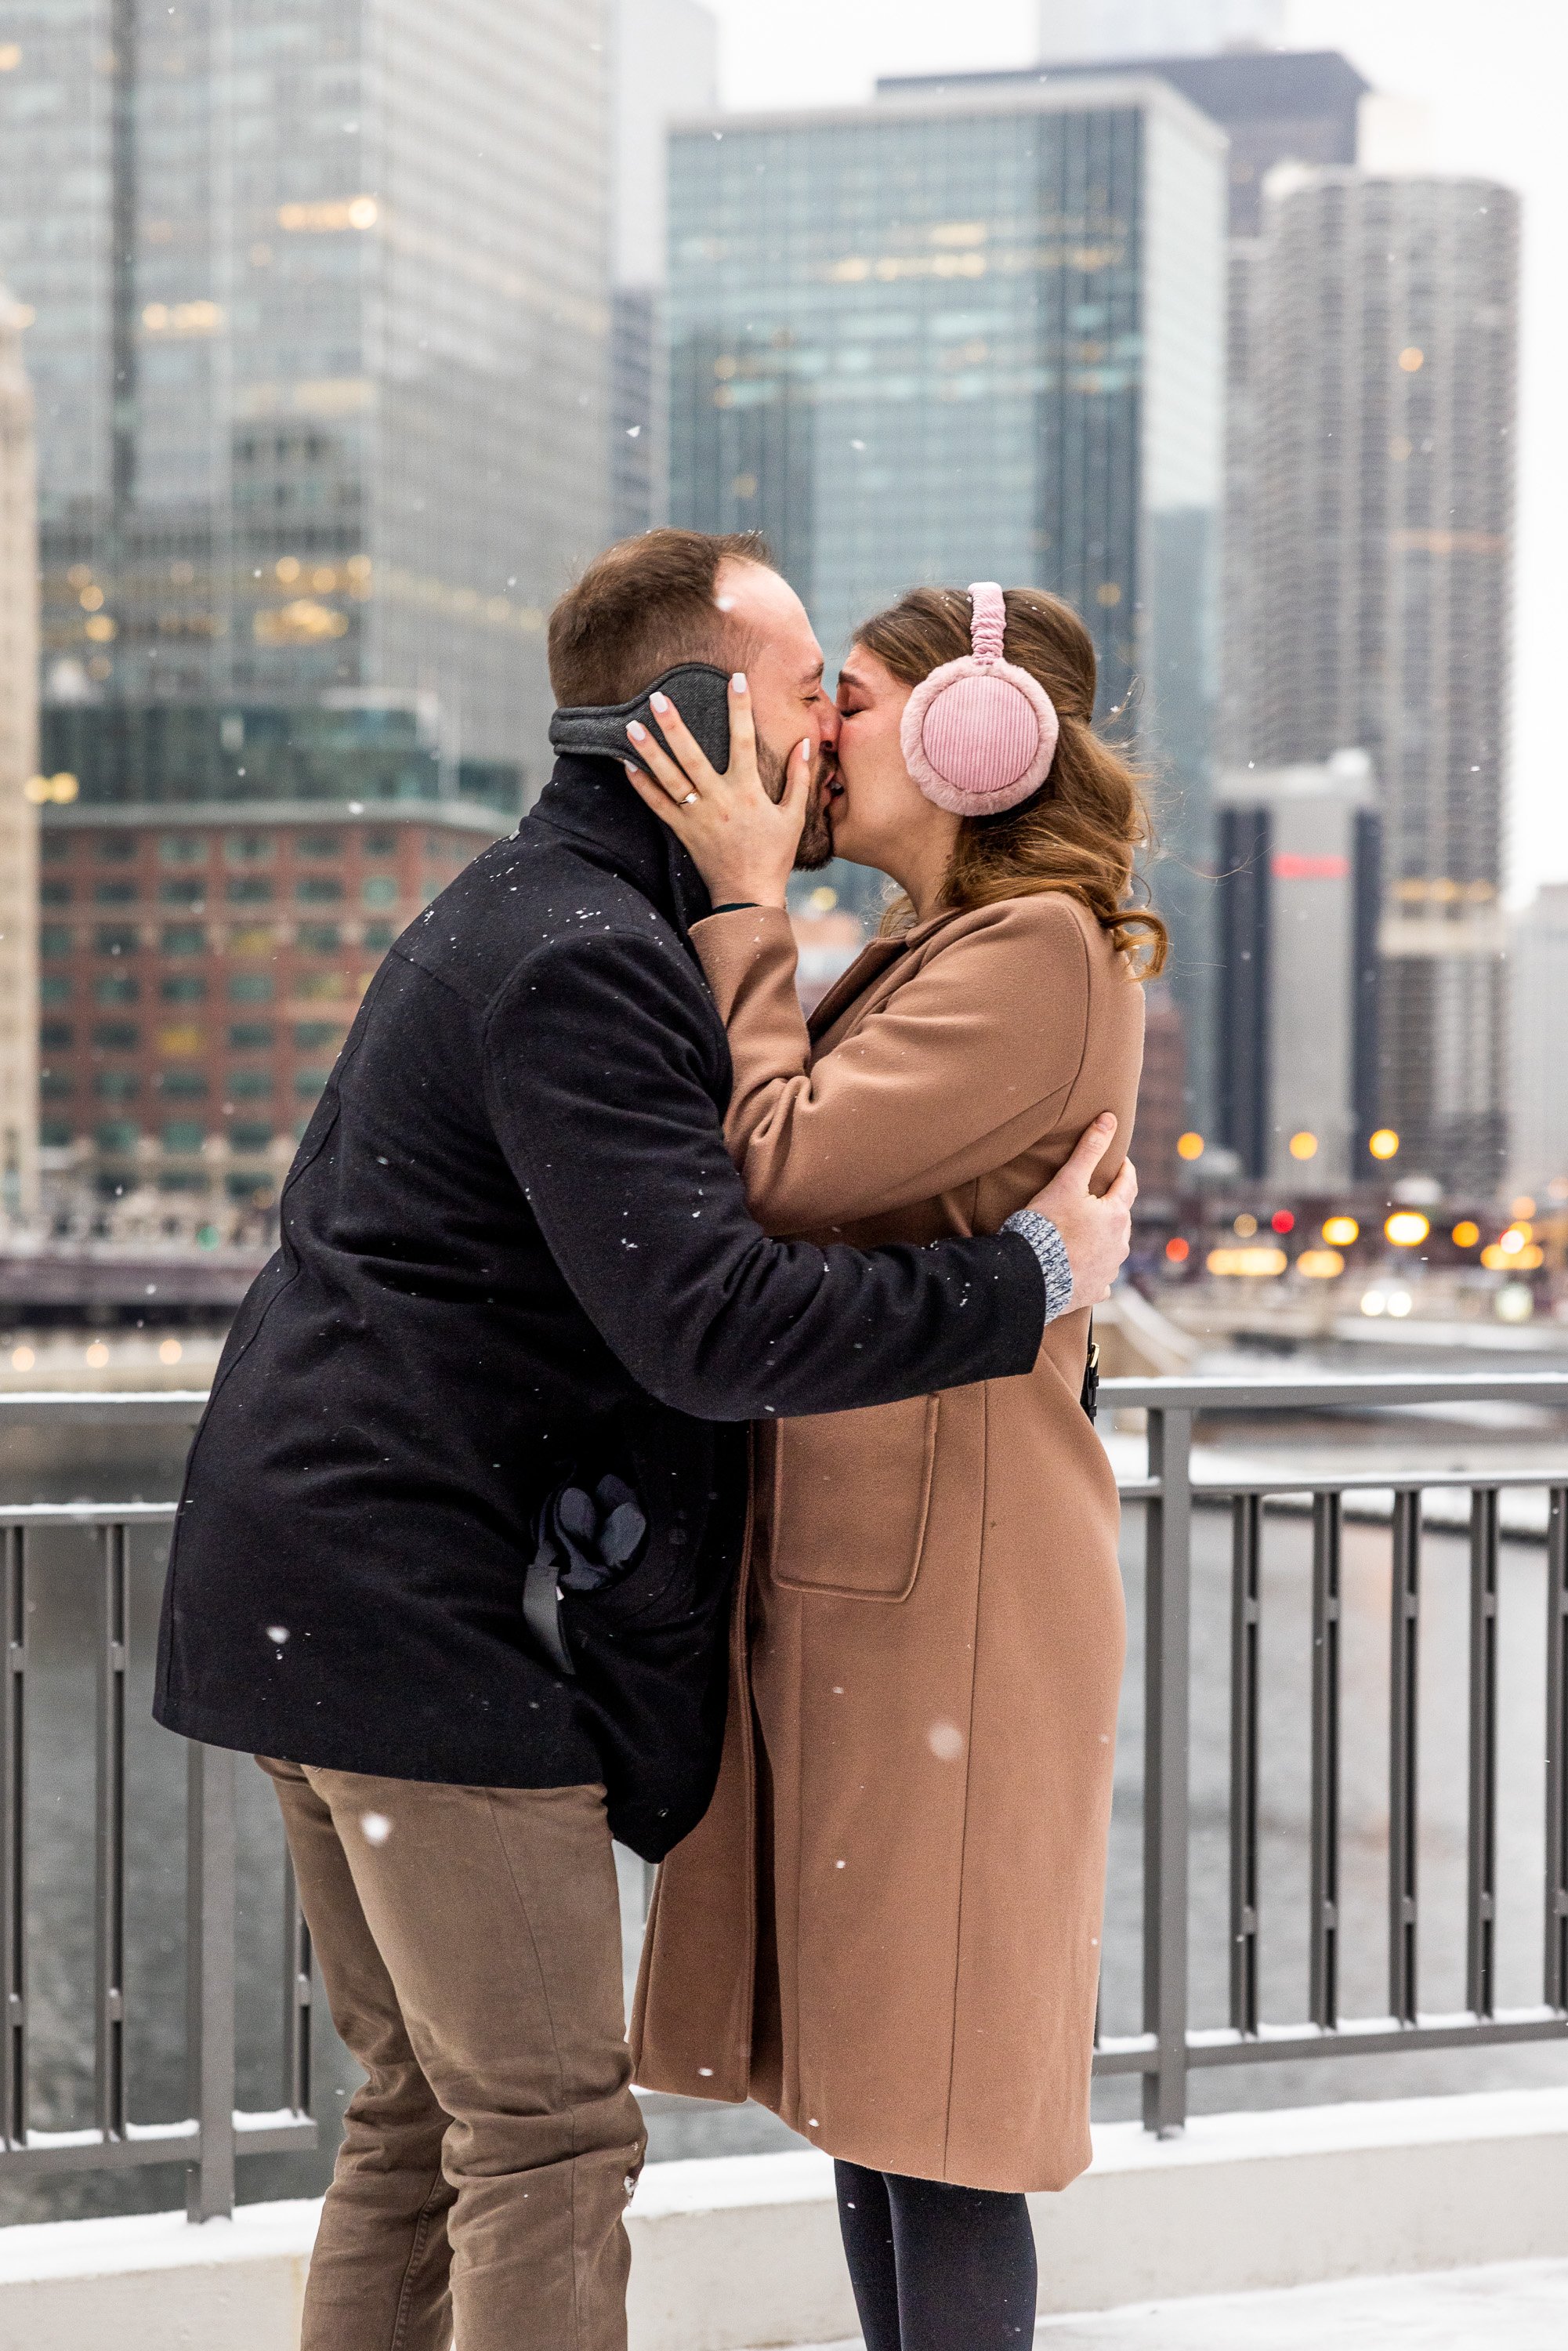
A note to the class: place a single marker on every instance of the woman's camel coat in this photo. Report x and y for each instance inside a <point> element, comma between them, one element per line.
<point>887,1927</point>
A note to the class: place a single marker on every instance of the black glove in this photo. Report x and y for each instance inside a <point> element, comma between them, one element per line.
<point>585,1542</point>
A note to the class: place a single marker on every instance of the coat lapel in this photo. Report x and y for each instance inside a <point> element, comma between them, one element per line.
<point>868,965</point>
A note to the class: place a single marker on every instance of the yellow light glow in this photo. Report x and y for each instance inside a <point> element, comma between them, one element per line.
<point>1497,1258</point>
<point>63,789</point>
<point>1523,1207</point>
<point>1516,1238</point>
<point>1189,1146</point>
<point>1384,1144</point>
<point>92,600</point>
<point>287,568</point>
<point>1303,1145</point>
<point>1253,1263</point>
<point>170,1352</point>
<point>1412,359</point>
<point>1245,1226</point>
<point>1466,1233</point>
<point>96,1355</point>
<point>319,219</point>
<point>22,1359</point>
<point>103,630</point>
<point>1407,1227</point>
<point>36,789</point>
<point>1319,1265</point>
<point>10,56</point>
<point>1341,1230</point>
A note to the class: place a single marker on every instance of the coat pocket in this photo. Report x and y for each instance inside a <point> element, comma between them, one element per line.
<point>851,1498</point>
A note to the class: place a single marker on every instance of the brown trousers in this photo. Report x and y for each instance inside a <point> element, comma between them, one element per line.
<point>469,1941</point>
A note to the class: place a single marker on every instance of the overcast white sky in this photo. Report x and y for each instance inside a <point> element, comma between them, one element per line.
<point>1495,76</point>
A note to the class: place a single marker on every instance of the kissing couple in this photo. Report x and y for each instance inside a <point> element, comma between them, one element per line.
<point>665,1417</point>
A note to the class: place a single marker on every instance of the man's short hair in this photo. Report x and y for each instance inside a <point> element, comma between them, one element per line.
<point>640,607</point>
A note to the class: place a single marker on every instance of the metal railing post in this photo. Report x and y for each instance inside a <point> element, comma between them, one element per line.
<point>1247,1531</point>
<point>13,1842</point>
<point>1167,1635</point>
<point>108,1892</point>
<point>1322,1922</point>
<point>297,2000</point>
<point>1557,1986</point>
<point>210,1979</point>
<point>1481,1924</point>
<point>1403,1755</point>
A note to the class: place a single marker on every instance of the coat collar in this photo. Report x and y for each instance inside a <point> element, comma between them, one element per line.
<point>588,802</point>
<point>874,958</point>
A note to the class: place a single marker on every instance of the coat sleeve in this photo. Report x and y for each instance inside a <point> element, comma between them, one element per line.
<point>604,1074</point>
<point>967,1064</point>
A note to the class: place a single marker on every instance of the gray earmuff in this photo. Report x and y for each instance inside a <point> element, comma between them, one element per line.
<point>699,692</point>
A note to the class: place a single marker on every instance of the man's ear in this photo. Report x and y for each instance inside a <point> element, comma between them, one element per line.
<point>699,692</point>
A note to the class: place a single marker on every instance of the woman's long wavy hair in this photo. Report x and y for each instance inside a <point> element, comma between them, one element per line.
<point>1080,831</point>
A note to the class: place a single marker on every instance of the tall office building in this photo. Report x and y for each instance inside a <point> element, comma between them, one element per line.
<point>961,335</point>
<point>18,763</point>
<point>1384,324</point>
<point>1538,1019</point>
<point>321,359</point>
<point>1147,29</point>
<point>664,65</point>
<point>321,365</point>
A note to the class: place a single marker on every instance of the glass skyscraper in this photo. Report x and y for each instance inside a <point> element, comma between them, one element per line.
<point>968,334</point>
<point>320,350</point>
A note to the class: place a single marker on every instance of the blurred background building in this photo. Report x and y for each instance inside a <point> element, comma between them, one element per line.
<point>663,66</point>
<point>18,767</point>
<point>321,357</point>
<point>1538,1044</point>
<point>1383,327</point>
<point>976,331</point>
<point>1144,28</point>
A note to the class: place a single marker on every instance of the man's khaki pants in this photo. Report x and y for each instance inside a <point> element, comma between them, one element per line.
<point>469,1941</point>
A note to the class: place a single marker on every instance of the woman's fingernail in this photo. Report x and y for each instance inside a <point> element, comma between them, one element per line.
<point>738,681</point>
<point>638,734</point>
<point>659,702</point>
<point>631,768</point>
<point>805,750</point>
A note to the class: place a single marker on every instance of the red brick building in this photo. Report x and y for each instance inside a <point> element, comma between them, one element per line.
<point>199,969</point>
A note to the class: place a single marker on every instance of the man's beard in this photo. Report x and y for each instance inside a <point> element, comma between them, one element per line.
<point>815,848</point>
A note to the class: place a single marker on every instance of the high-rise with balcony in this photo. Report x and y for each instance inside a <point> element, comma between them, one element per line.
<point>1384,326</point>
<point>18,763</point>
<point>320,352</point>
<point>976,334</point>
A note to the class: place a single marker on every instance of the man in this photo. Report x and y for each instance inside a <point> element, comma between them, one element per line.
<point>516,1262</point>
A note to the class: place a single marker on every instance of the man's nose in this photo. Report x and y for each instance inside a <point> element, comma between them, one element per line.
<point>828,722</point>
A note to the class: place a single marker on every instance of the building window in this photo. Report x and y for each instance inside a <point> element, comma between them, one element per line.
<point>54,989</point>
<point>54,893</point>
<point>319,987</point>
<point>318,889</point>
<point>252,1036</point>
<point>117,1085</point>
<point>381,890</point>
<point>245,1135</point>
<point>250,890</point>
<point>247,1085</point>
<point>381,844</point>
<point>186,988</point>
<point>113,988</point>
<point>319,938</point>
<point>114,938</point>
<point>55,1134</point>
<point>117,848</point>
<point>182,894</point>
<point>310,1036</point>
<point>187,1038</point>
<point>117,1135</point>
<point>256,939</point>
<point>250,987</point>
<point>308,1083</point>
<point>182,848</point>
<point>183,938</point>
<point>320,844</point>
<point>188,1085</point>
<point>249,848</point>
<point>55,1085</point>
<point>55,939</point>
<point>56,1036</point>
<point>55,848</point>
<point>183,1135</point>
<point>379,935</point>
<point>115,894</point>
<point>117,1036</point>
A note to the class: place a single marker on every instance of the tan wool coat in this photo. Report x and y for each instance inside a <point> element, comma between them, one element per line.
<point>887,1927</point>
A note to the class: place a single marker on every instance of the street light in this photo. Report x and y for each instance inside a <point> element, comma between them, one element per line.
<point>1189,1146</point>
<point>1303,1145</point>
<point>1407,1229</point>
<point>1384,1144</point>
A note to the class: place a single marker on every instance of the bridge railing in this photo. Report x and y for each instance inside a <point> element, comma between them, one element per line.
<point>213,2134</point>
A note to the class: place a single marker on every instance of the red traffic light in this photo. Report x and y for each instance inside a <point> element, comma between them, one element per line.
<point>1283,1221</point>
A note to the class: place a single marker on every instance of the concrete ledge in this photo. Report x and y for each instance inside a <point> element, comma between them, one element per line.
<point>744,2250</point>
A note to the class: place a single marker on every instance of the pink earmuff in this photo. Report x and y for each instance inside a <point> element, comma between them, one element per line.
<point>980,734</point>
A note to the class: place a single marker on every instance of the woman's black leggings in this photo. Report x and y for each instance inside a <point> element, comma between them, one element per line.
<point>937,2268</point>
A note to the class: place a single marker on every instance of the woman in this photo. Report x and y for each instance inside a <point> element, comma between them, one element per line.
<point>887,1927</point>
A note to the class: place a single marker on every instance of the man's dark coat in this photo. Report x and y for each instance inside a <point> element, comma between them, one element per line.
<point>514,1251</point>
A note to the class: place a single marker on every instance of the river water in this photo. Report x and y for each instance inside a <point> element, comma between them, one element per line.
<point>106,1464</point>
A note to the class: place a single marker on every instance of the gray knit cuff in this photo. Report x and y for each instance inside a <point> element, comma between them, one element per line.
<point>1051,1250</point>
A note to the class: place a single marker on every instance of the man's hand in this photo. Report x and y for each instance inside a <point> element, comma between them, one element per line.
<point>1096,1233</point>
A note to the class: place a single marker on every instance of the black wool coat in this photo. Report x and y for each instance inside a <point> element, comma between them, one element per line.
<point>515,1251</point>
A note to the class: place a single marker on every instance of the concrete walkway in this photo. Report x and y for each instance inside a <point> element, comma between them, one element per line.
<point>1515,2306</point>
